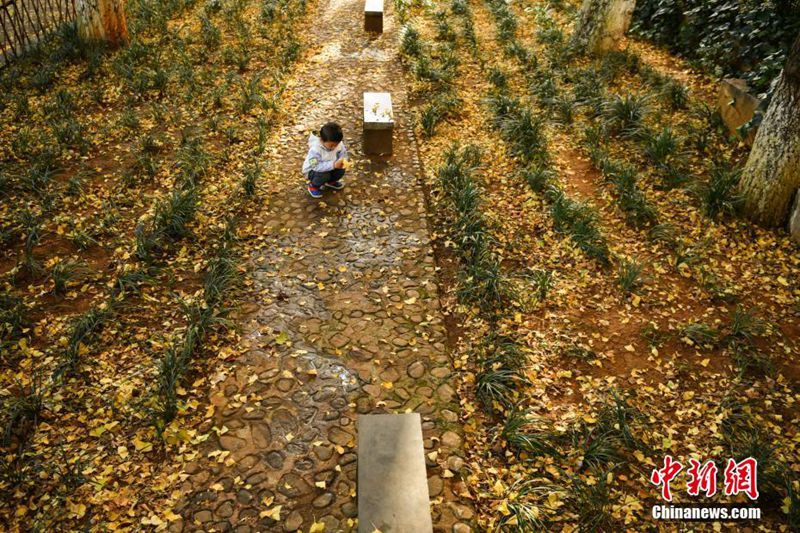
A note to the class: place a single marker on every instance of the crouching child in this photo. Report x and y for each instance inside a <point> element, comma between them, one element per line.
<point>325,163</point>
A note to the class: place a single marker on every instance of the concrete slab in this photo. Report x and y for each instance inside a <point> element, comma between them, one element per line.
<point>392,481</point>
<point>378,123</point>
<point>737,106</point>
<point>378,114</point>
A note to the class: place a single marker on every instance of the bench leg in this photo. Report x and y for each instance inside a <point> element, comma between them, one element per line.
<point>378,141</point>
<point>373,22</point>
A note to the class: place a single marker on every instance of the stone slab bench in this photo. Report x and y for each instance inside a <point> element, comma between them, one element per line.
<point>737,106</point>
<point>373,16</point>
<point>392,482</point>
<point>378,123</point>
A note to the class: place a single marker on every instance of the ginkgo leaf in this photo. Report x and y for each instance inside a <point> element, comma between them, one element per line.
<point>274,513</point>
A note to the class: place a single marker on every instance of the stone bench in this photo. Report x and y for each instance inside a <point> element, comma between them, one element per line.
<point>378,123</point>
<point>392,481</point>
<point>736,106</point>
<point>373,16</point>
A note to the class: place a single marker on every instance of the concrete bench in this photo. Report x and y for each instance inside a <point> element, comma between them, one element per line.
<point>737,106</point>
<point>373,16</point>
<point>392,482</point>
<point>378,123</point>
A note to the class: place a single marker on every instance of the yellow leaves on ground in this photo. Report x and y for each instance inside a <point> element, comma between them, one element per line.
<point>273,513</point>
<point>122,451</point>
<point>317,527</point>
<point>141,445</point>
<point>77,510</point>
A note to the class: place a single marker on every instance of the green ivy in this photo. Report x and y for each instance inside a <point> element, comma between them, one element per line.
<point>741,38</point>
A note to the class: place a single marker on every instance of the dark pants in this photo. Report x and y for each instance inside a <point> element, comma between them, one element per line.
<point>318,179</point>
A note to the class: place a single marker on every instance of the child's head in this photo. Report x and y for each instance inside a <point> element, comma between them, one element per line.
<point>331,135</point>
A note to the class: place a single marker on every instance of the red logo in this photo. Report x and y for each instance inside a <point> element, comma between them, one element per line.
<point>665,475</point>
<point>738,477</point>
<point>702,478</point>
<point>742,477</point>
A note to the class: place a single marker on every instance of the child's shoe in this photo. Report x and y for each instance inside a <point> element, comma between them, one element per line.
<point>336,185</point>
<point>315,192</point>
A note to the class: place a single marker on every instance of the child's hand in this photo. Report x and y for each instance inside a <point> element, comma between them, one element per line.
<point>339,163</point>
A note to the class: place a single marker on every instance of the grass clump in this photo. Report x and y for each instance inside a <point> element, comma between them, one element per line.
<point>481,281</point>
<point>630,275</point>
<point>578,220</point>
<point>529,434</point>
<point>719,195</point>
<point>82,331</point>
<point>624,115</point>
<point>63,273</point>
<point>442,106</point>
<point>21,411</point>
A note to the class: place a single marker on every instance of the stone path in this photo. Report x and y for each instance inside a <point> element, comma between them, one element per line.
<point>347,317</point>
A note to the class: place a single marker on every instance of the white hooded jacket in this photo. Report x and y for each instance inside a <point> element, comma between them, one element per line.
<point>319,158</point>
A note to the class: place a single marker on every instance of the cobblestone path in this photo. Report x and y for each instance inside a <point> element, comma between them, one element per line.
<point>345,315</point>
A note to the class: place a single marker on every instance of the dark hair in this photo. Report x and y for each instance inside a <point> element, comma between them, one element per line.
<point>331,132</point>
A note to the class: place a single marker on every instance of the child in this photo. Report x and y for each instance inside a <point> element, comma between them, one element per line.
<point>325,163</point>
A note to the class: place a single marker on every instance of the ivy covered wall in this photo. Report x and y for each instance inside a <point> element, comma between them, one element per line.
<point>742,38</point>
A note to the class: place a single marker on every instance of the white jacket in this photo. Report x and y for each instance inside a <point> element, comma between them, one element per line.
<point>319,158</point>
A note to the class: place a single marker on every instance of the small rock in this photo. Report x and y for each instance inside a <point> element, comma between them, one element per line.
<point>339,436</point>
<point>373,390</point>
<point>292,486</point>
<point>390,374</point>
<point>461,528</point>
<point>176,526</point>
<point>275,460</point>
<point>339,341</point>
<point>455,463</point>
<point>449,415</point>
<point>435,486</point>
<point>255,414</point>
<point>440,372</point>
<point>427,392</point>
<point>225,510</point>
<point>323,452</point>
<point>244,497</point>
<point>248,462</point>
<point>446,392</point>
<point>231,443</point>
<point>399,342</point>
<point>451,440</point>
<point>285,384</point>
<point>323,500</point>
<point>463,512</point>
<point>293,522</point>
<point>257,478</point>
<point>350,510</point>
<point>416,369</point>
<point>331,523</point>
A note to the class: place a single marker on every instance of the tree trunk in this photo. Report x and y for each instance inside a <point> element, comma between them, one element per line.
<point>601,25</point>
<point>102,20</point>
<point>772,173</point>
